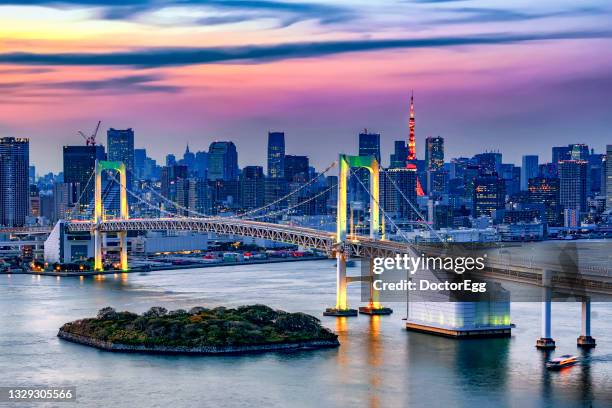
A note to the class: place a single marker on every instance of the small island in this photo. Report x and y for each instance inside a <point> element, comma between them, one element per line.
<point>200,330</point>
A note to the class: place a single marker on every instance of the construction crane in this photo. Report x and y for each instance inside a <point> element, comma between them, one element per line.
<point>91,140</point>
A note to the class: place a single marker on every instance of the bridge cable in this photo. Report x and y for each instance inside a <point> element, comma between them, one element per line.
<point>415,209</point>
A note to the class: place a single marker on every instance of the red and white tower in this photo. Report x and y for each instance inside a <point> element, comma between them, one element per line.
<point>411,159</point>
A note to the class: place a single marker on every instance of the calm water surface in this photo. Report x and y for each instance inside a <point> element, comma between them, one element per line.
<point>377,365</point>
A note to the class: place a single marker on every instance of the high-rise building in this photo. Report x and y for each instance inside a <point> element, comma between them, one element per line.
<point>545,191</point>
<point>276,155</point>
<point>34,201</point>
<point>489,195</point>
<point>120,144</point>
<point>140,158</point>
<point>489,162</point>
<point>595,173</point>
<point>573,184</point>
<point>252,193</point>
<point>579,151</point>
<point>529,169</point>
<point>560,153</point>
<point>188,160</point>
<point>201,165</point>
<point>608,178</point>
<point>170,176</point>
<point>434,153</point>
<point>222,161</point>
<point>193,195</point>
<point>296,166</point>
<point>398,186</point>
<point>32,175</point>
<point>400,152</point>
<point>65,197</point>
<point>79,168</point>
<point>369,144</point>
<point>170,159</point>
<point>14,181</point>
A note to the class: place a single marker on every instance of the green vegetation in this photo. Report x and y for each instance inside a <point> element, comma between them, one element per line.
<point>201,327</point>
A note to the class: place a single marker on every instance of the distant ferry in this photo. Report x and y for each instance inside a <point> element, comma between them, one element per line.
<point>561,362</point>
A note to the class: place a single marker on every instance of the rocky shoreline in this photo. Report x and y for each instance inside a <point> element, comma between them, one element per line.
<point>208,350</point>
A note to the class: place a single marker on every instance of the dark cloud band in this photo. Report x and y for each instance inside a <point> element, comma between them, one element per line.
<point>163,57</point>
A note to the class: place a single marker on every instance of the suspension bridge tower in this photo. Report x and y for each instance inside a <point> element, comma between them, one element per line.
<point>99,214</point>
<point>376,231</point>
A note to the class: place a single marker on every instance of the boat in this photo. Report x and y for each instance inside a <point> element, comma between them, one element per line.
<point>561,362</point>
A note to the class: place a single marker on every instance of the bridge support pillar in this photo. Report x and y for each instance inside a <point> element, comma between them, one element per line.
<point>374,307</point>
<point>546,342</point>
<point>123,250</point>
<point>585,340</point>
<point>98,266</point>
<point>341,309</point>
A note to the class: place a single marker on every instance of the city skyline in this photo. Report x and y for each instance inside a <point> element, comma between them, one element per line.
<point>240,69</point>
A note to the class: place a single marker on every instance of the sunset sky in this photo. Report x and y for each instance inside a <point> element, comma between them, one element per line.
<point>515,76</point>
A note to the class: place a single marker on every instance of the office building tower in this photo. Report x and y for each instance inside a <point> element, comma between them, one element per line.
<point>529,169</point>
<point>595,173</point>
<point>579,151</point>
<point>434,153</point>
<point>400,152</point>
<point>252,187</point>
<point>546,192</point>
<point>488,196</point>
<point>369,144</point>
<point>201,165</point>
<point>79,168</point>
<point>140,158</point>
<point>560,153</point>
<point>14,181</point>
<point>65,197</point>
<point>608,177</point>
<point>120,144</point>
<point>170,175</point>
<point>399,191</point>
<point>34,201</point>
<point>573,184</point>
<point>32,174</point>
<point>222,161</point>
<point>276,155</point>
<point>296,166</point>
<point>489,162</point>
<point>170,159</point>
<point>188,160</point>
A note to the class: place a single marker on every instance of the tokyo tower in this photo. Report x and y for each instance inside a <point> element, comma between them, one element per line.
<point>410,162</point>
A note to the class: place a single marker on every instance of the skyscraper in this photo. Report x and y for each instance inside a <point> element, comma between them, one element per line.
<point>369,144</point>
<point>573,184</point>
<point>120,143</point>
<point>529,169</point>
<point>489,162</point>
<point>295,165</point>
<point>222,161</point>
<point>434,153</point>
<point>276,155</point>
<point>79,166</point>
<point>608,176</point>
<point>545,191</point>
<point>400,152</point>
<point>489,195</point>
<point>140,158</point>
<point>14,181</point>
<point>252,187</point>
